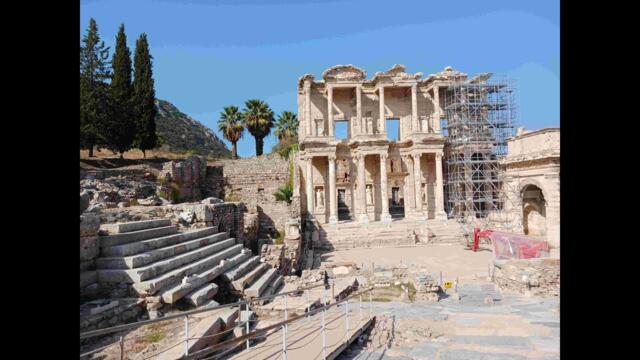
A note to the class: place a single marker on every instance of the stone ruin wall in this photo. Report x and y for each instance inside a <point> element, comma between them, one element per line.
<point>534,277</point>
<point>254,181</point>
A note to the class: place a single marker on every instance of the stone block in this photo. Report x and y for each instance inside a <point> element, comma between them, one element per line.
<point>89,224</point>
<point>89,248</point>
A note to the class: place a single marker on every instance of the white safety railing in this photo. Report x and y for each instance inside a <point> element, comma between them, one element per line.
<point>232,344</point>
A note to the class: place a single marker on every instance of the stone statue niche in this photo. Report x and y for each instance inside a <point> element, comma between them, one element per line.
<point>319,197</point>
<point>424,193</point>
<point>369,194</point>
<point>343,171</point>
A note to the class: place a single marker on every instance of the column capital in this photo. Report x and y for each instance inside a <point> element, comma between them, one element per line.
<point>332,157</point>
<point>416,155</point>
<point>384,156</point>
<point>439,155</point>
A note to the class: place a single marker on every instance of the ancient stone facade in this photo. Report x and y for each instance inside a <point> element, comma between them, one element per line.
<point>367,176</point>
<point>532,173</point>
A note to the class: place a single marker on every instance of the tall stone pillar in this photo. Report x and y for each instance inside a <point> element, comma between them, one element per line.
<point>333,202</point>
<point>307,105</point>
<point>438,115</point>
<point>330,109</point>
<point>359,108</point>
<point>414,109</point>
<point>417,175</point>
<point>384,216</point>
<point>409,187</point>
<point>383,123</point>
<point>310,195</point>
<point>362,191</point>
<point>440,214</point>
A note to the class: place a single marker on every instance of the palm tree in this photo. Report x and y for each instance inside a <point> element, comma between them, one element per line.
<point>286,126</point>
<point>230,126</point>
<point>257,117</point>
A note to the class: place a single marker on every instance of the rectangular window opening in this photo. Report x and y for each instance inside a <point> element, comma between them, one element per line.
<point>393,129</point>
<point>342,130</point>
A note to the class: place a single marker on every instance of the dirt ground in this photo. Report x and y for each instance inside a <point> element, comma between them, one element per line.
<point>453,260</point>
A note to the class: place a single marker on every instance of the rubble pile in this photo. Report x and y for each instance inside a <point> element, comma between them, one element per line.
<point>118,191</point>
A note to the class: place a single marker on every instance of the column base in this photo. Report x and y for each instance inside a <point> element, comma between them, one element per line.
<point>364,219</point>
<point>441,215</point>
<point>333,220</point>
<point>386,219</point>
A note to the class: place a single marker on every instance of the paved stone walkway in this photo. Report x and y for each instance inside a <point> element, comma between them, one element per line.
<point>514,327</point>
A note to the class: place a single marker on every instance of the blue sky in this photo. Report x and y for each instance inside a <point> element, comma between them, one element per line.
<point>209,54</point>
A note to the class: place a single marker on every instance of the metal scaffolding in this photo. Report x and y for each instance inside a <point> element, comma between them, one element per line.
<point>480,115</point>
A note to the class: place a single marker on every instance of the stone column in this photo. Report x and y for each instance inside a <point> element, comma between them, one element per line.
<point>330,109</point>
<point>359,108</point>
<point>440,214</point>
<point>414,108</point>
<point>310,194</point>
<point>333,202</point>
<point>438,115</point>
<point>383,123</point>
<point>362,190</point>
<point>417,175</point>
<point>384,216</point>
<point>307,105</point>
<point>409,196</point>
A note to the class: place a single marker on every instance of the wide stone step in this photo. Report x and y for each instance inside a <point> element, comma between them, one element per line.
<point>175,276</point>
<point>241,269</point>
<point>119,228</point>
<point>241,283</point>
<point>202,295</point>
<point>160,267</point>
<point>261,284</point>
<point>142,259</point>
<point>272,289</point>
<point>150,244</point>
<point>128,237</point>
<point>173,262</point>
<point>177,291</point>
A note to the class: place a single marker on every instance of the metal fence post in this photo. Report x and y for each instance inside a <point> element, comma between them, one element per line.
<point>121,348</point>
<point>324,337</point>
<point>186,334</point>
<point>286,327</point>
<point>247,325</point>
<point>307,295</point>
<point>360,307</point>
<point>284,343</point>
<point>346,321</point>
<point>370,303</point>
<point>440,278</point>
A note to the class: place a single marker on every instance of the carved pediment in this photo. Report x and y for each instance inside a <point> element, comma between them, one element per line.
<point>304,77</point>
<point>344,73</point>
<point>450,74</point>
<point>397,72</point>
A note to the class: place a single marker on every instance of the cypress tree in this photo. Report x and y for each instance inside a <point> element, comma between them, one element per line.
<point>120,128</point>
<point>94,102</point>
<point>144,96</point>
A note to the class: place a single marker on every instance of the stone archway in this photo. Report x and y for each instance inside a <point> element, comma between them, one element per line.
<point>534,214</point>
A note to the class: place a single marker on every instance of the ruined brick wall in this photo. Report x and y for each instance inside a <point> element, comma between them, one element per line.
<point>254,181</point>
<point>539,277</point>
<point>189,175</point>
<point>213,184</point>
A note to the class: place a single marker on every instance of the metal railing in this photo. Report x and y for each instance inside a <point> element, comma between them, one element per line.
<point>245,338</point>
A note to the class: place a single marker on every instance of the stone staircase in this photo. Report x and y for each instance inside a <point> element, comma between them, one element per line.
<point>152,258</point>
<point>349,235</point>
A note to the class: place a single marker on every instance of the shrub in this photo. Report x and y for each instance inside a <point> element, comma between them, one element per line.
<point>279,237</point>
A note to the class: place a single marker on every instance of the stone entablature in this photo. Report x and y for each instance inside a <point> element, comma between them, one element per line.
<point>543,144</point>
